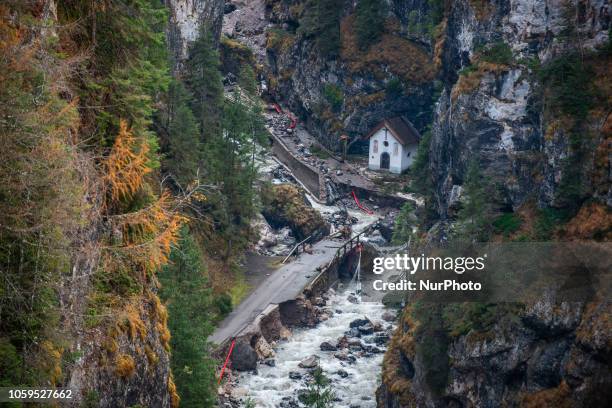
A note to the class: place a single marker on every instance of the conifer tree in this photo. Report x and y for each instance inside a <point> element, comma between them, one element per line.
<point>474,217</point>
<point>184,288</point>
<point>205,83</point>
<point>370,18</point>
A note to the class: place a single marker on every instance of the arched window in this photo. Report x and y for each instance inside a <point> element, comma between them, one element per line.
<point>395,149</point>
<point>375,146</point>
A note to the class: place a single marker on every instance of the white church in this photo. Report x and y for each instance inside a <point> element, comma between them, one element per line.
<point>393,145</point>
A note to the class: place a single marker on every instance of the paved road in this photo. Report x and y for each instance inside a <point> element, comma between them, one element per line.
<point>284,284</point>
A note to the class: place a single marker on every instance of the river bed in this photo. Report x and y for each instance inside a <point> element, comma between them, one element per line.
<point>272,386</point>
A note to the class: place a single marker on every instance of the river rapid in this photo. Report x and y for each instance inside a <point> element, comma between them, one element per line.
<point>273,387</point>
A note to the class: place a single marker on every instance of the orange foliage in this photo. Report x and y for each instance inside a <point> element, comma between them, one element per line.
<point>126,165</point>
<point>593,221</point>
<point>398,55</point>
<point>125,366</point>
<point>558,397</point>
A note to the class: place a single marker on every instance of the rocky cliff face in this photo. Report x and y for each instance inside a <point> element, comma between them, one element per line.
<point>351,90</point>
<point>186,20</point>
<point>496,108</point>
<point>519,97</point>
<point>545,354</point>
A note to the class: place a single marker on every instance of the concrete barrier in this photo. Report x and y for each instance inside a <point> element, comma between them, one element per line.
<point>306,175</point>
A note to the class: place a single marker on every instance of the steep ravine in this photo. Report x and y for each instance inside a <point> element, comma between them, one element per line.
<point>513,86</point>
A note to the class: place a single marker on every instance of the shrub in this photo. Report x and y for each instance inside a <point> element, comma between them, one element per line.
<point>507,223</point>
<point>125,366</point>
<point>334,96</point>
<point>370,18</point>
<point>394,88</point>
<point>497,53</point>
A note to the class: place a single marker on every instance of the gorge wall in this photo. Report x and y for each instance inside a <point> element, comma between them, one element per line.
<point>519,87</point>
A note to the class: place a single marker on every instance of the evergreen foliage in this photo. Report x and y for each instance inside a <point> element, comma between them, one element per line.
<point>204,81</point>
<point>370,16</point>
<point>474,217</point>
<point>190,308</point>
<point>319,393</point>
<point>182,146</point>
<point>41,204</point>
<point>404,224</point>
<point>321,21</point>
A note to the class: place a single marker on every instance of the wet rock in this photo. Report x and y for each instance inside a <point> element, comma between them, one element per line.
<point>354,332</point>
<point>318,301</point>
<point>310,362</point>
<point>353,299</point>
<point>244,358</point>
<point>359,322</point>
<point>327,346</point>
<point>372,349</point>
<point>284,333</point>
<point>381,339</point>
<point>366,329</point>
<point>345,356</point>
<point>239,392</point>
<point>263,349</point>
<point>388,316</point>
<point>298,312</point>
<point>289,402</point>
<point>294,375</point>
<point>342,373</point>
<point>270,362</point>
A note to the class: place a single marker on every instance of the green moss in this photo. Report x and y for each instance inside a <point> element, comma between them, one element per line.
<point>507,223</point>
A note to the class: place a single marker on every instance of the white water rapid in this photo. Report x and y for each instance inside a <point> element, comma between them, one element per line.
<point>272,387</point>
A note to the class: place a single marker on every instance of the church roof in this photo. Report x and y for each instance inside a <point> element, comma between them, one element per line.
<point>400,128</point>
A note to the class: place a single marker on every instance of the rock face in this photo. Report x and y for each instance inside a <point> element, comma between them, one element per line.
<point>495,108</point>
<point>548,353</point>
<point>394,78</point>
<point>244,358</point>
<point>186,20</point>
<point>494,112</point>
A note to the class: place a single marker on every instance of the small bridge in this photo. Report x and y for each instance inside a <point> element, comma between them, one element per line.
<point>286,283</point>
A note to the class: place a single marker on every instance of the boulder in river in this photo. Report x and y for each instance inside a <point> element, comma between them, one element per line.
<point>388,316</point>
<point>310,362</point>
<point>263,349</point>
<point>294,375</point>
<point>342,373</point>
<point>366,329</point>
<point>345,356</point>
<point>244,358</point>
<point>327,346</point>
<point>354,332</point>
<point>359,322</point>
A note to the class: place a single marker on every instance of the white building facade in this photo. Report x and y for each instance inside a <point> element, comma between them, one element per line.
<point>393,146</point>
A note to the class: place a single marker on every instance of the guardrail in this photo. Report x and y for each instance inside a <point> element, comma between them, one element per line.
<point>351,243</point>
<point>296,248</point>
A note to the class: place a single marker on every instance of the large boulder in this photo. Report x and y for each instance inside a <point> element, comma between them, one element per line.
<point>243,358</point>
<point>310,362</point>
<point>286,206</point>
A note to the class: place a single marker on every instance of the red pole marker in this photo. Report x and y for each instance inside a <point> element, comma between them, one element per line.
<point>361,206</point>
<point>226,360</point>
<point>277,108</point>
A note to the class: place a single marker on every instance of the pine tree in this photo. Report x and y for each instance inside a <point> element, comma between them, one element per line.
<point>404,224</point>
<point>205,83</point>
<point>321,21</point>
<point>184,288</point>
<point>370,18</point>
<point>474,218</point>
<point>184,148</point>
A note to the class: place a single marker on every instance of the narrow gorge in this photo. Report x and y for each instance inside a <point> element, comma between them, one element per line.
<point>193,194</point>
